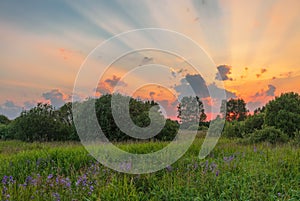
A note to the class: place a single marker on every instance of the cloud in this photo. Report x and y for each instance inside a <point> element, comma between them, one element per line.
<point>115,81</point>
<point>287,74</point>
<point>192,84</point>
<point>224,72</point>
<point>56,97</point>
<point>197,84</point>
<point>107,86</point>
<point>146,60</point>
<point>151,94</point>
<point>10,109</point>
<point>219,91</point>
<point>263,70</point>
<point>269,92</point>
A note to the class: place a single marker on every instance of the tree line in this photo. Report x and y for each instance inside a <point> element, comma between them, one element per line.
<point>277,121</point>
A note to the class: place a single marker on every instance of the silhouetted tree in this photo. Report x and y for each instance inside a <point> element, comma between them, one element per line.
<point>234,109</point>
<point>191,111</point>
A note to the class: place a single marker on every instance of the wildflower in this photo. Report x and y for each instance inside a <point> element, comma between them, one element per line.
<point>56,196</point>
<point>254,149</point>
<point>169,168</point>
<point>4,180</point>
<point>217,173</point>
<point>228,159</point>
<point>50,176</point>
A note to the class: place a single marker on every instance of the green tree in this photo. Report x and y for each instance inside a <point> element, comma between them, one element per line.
<point>4,120</point>
<point>254,122</point>
<point>139,114</point>
<point>65,115</point>
<point>191,111</point>
<point>40,123</point>
<point>284,113</point>
<point>234,109</point>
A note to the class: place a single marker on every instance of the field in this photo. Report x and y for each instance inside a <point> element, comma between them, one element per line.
<point>233,171</point>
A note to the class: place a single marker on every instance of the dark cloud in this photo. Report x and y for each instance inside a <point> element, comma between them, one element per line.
<point>271,90</point>
<point>103,88</point>
<point>115,81</point>
<point>192,84</point>
<point>219,91</point>
<point>224,72</point>
<point>146,60</point>
<point>197,84</point>
<point>10,109</point>
<point>109,84</point>
<point>263,70</point>
<point>56,98</point>
<point>151,94</point>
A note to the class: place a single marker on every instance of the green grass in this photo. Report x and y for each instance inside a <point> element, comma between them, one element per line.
<point>232,171</point>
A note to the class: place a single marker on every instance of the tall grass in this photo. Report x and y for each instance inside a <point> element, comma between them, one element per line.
<point>232,171</point>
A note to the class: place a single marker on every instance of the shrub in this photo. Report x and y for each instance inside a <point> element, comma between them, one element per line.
<point>234,129</point>
<point>169,131</point>
<point>253,123</point>
<point>268,134</point>
<point>284,113</point>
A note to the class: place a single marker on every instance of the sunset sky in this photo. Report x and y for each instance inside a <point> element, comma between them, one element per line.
<point>254,44</point>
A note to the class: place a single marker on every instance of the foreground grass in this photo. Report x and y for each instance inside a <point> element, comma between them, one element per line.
<point>65,171</point>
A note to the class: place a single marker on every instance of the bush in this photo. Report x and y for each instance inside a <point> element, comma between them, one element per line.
<point>234,129</point>
<point>41,123</point>
<point>268,134</point>
<point>284,113</point>
<point>3,131</point>
<point>4,120</point>
<point>253,123</point>
<point>169,131</point>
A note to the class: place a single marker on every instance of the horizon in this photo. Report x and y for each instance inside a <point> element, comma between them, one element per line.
<point>254,45</point>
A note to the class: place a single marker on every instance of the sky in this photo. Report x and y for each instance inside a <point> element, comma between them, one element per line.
<point>254,45</point>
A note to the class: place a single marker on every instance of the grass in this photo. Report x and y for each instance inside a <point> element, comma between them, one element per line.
<point>232,171</point>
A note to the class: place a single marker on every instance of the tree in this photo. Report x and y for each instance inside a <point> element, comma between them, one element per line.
<point>260,110</point>
<point>254,122</point>
<point>234,109</point>
<point>40,123</point>
<point>4,120</point>
<point>65,115</point>
<point>191,111</point>
<point>284,113</point>
<point>139,113</point>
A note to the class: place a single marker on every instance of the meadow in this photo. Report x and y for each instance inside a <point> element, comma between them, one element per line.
<point>232,171</point>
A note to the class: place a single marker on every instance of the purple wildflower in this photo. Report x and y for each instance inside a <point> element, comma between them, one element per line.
<point>56,196</point>
<point>254,149</point>
<point>50,176</point>
<point>217,173</point>
<point>169,168</point>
